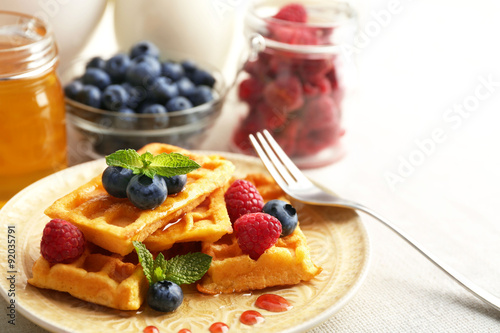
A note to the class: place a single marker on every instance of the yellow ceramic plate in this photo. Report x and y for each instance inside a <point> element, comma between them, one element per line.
<point>337,239</point>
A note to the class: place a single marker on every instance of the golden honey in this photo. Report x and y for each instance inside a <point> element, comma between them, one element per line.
<point>32,126</point>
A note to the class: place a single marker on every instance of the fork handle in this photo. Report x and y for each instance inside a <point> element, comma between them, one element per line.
<point>462,280</point>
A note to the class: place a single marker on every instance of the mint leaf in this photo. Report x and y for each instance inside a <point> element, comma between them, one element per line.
<point>183,269</point>
<point>147,158</point>
<point>187,268</point>
<point>145,259</point>
<point>172,164</point>
<point>126,158</point>
<point>158,275</point>
<point>159,267</point>
<point>166,165</point>
<point>149,172</point>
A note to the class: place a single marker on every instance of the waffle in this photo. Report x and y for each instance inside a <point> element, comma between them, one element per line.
<point>288,262</point>
<point>113,223</point>
<point>96,277</point>
<point>207,222</point>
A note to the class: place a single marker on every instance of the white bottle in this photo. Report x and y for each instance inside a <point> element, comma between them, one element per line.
<point>201,30</point>
<point>73,21</point>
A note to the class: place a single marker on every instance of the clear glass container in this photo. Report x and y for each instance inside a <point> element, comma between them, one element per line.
<point>33,129</point>
<point>94,133</point>
<point>293,82</point>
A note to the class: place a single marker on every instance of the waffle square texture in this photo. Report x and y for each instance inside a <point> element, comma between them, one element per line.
<point>207,222</point>
<point>114,223</point>
<point>288,262</point>
<point>96,277</point>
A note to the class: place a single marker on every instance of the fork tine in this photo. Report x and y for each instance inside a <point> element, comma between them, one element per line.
<point>292,168</point>
<point>267,163</point>
<point>276,161</point>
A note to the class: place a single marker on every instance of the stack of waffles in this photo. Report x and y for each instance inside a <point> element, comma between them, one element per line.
<point>108,272</point>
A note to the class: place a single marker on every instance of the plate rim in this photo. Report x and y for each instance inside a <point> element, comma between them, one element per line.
<point>303,327</point>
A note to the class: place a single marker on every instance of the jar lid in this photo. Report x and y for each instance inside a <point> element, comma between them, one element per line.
<point>27,46</point>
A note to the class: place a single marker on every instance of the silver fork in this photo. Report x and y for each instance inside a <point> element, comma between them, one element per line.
<point>299,187</point>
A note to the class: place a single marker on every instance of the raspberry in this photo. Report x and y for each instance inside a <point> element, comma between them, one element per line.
<point>284,93</point>
<point>272,118</point>
<point>279,64</point>
<point>241,198</point>
<point>321,111</point>
<point>287,137</point>
<point>250,90</point>
<point>293,12</point>
<point>293,35</point>
<point>313,140</point>
<point>317,86</point>
<point>256,232</point>
<point>250,125</point>
<point>259,67</point>
<point>316,67</point>
<point>62,242</point>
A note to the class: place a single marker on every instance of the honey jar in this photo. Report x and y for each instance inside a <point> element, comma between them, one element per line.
<point>32,125</point>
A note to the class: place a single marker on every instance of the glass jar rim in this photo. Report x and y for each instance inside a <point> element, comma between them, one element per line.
<point>33,57</point>
<point>256,4</point>
<point>259,23</point>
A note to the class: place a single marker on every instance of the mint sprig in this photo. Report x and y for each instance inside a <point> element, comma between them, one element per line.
<point>182,269</point>
<point>164,164</point>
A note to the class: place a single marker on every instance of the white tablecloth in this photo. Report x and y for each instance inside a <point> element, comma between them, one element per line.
<point>422,135</point>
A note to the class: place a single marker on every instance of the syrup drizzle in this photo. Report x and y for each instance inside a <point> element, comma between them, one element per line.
<point>219,328</point>
<point>168,225</point>
<point>251,317</point>
<point>273,303</point>
<point>151,329</point>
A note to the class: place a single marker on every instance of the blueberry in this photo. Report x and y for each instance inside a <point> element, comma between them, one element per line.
<point>202,77</point>
<point>117,66</point>
<point>114,97</point>
<point>143,70</point>
<point>96,62</point>
<point>165,296</point>
<point>96,77</point>
<point>125,119</point>
<point>163,90</point>
<point>72,89</point>
<point>161,121</point>
<point>189,66</point>
<point>89,95</point>
<point>178,104</point>
<point>175,184</point>
<point>201,95</point>
<point>115,180</point>
<point>136,95</point>
<point>146,193</point>
<point>172,70</point>
<point>185,86</point>
<point>154,109</point>
<point>145,104</point>
<point>144,48</point>
<point>285,213</point>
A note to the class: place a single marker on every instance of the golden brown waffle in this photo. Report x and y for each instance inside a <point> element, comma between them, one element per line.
<point>114,223</point>
<point>288,262</point>
<point>207,222</point>
<point>96,277</point>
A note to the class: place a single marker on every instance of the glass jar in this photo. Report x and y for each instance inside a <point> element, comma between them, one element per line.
<point>32,129</point>
<point>294,81</point>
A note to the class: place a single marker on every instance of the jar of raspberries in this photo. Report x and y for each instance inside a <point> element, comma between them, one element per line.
<point>293,82</point>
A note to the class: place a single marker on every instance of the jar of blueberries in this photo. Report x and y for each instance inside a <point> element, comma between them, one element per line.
<point>295,78</point>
